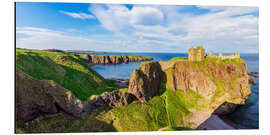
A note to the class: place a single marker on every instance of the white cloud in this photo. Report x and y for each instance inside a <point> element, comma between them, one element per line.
<point>112,17</point>
<point>146,16</point>
<point>78,15</point>
<point>118,17</point>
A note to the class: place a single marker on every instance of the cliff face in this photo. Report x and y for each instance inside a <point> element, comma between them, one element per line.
<point>112,59</point>
<point>209,86</point>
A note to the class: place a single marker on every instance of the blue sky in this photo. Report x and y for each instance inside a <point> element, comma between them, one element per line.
<point>136,28</point>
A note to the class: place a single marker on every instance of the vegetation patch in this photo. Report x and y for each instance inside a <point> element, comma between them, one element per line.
<point>178,58</point>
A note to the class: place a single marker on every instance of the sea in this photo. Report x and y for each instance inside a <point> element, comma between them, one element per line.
<point>246,116</point>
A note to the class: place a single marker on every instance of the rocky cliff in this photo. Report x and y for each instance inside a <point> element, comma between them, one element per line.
<point>112,59</point>
<point>219,85</point>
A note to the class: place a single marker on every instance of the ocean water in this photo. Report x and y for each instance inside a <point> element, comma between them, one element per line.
<point>246,116</point>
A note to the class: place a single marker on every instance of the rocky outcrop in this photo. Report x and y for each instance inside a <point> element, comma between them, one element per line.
<point>251,80</point>
<point>216,82</point>
<point>254,74</point>
<point>35,98</point>
<point>145,82</point>
<point>112,59</point>
<point>31,99</point>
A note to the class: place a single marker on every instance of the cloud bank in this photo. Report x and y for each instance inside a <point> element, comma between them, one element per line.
<point>158,29</point>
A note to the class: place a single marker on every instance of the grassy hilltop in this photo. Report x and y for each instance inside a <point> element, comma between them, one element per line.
<point>66,69</point>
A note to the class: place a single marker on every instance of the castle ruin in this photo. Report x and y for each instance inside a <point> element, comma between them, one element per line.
<point>233,56</point>
<point>198,54</point>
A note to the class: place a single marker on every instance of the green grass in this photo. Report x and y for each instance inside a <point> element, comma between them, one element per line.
<point>178,58</point>
<point>66,69</point>
<point>147,116</point>
<point>220,91</point>
<point>166,110</point>
<point>123,90</point>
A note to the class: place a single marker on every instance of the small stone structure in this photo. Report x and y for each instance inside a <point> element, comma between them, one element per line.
<point>196,54</point>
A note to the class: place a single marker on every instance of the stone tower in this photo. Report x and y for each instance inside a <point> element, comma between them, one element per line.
<point>196,54</point>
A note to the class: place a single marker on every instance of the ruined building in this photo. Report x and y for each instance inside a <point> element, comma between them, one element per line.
<point>196,54</point>
<point>233,56</point>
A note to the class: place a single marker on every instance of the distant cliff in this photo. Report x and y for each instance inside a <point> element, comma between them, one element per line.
<point>112,59</point>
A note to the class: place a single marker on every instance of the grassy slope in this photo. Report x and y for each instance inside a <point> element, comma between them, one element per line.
<point>65,69</point>
<point>164,112</point>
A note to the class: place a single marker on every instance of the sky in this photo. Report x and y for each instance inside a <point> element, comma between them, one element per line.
<point>136,28</point>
